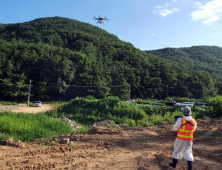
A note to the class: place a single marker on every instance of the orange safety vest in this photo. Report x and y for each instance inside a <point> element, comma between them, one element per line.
<point>186,130</point>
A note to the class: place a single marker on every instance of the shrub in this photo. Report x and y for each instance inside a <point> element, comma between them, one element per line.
<point>89,97</point>
<point>216,103</point>
<point>131,123</point>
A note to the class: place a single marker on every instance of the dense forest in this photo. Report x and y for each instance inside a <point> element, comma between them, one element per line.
<point>61,58</point>
<point>206,58</point>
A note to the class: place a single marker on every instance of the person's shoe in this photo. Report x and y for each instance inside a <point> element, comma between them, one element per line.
<point>189,163</point>
<point>174,163</point>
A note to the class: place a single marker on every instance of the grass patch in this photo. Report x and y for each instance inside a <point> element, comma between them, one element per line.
<point>85,112</point>
<point>27,127</point>
<point>8,103</point>
<point>83,129</point>
<point>88,111</point>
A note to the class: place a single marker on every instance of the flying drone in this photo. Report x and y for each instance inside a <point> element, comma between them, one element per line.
<point>100,19</point>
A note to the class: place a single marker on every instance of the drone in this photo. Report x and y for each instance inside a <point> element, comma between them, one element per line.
<point>100,19</point>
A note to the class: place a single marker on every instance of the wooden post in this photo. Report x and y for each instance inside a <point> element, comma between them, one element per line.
<point>29,91</point>
<point>129,91</point>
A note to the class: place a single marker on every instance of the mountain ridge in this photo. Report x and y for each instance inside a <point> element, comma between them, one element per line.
<point>208,58</point>
<point>58,52</point>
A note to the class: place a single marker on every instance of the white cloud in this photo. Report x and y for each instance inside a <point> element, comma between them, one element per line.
<point>174,1</point>
<point>197,3</point>
<point>153,34</point>
<point>158,7</point>
<point>208,13</point>
<point>163,11</point>
<point>211,20</point>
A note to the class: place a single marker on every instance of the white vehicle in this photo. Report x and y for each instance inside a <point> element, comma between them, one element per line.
<point>37,104</point>
<point>184,104</point>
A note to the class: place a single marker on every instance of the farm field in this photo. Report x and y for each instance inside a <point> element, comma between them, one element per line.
<point>102,148</point>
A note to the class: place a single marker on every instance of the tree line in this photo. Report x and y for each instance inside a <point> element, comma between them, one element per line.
<point>66,58</point>
<point>205,58</point>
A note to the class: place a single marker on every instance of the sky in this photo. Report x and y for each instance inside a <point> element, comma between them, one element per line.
<point>147,24</point>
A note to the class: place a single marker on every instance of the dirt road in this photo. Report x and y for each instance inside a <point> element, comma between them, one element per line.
<point>24,109</point>
<point>109,149</point>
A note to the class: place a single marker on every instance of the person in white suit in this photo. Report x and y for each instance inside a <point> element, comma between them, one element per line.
<point>185,127</point>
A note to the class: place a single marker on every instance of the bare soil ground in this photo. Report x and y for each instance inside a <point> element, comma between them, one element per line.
<point>101,148</point>
<point>23,108</point>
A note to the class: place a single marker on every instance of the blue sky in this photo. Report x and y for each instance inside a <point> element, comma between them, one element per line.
<point>147,24</point>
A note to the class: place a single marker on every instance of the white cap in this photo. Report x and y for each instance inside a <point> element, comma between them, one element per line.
<point>186,110</point>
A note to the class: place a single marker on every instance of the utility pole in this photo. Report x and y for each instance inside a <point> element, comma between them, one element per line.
<point>129,91</point>
<point>29,91</point>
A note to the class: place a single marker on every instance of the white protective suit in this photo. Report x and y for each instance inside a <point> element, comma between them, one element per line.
<point>183,148</point>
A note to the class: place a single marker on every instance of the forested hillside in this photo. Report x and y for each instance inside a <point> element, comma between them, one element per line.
<point>65,58</point>
<point>203,58</point>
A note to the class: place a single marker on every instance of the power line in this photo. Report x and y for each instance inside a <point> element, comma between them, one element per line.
<point>78,85</point>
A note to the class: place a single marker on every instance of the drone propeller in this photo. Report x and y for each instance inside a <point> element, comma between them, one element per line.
<point>100,19</point>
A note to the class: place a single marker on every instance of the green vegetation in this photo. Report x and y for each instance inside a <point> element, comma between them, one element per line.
<point>86,111</point>
<point>66,58</point>
<point>8,103</point>
<point>26,127</point>
<point>200,58</point>
<point>216,103</point>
